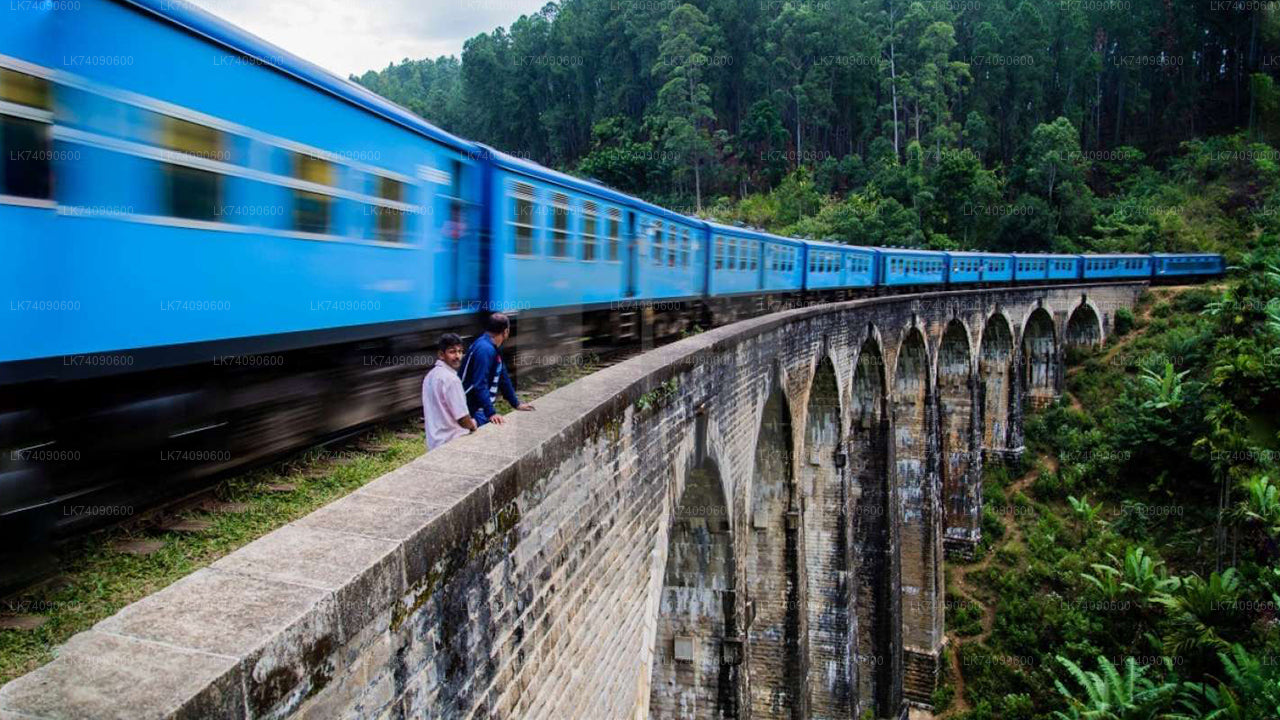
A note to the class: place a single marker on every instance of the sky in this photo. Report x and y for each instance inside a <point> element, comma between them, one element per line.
<point>347,37</point>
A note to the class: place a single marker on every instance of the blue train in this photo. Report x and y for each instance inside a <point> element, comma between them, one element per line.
<point>215,249</point>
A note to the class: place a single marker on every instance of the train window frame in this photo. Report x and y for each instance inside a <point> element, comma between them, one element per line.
<point>27,171</point>
<point>615,233</point>
<point>673,237</point>
<point>390,220</point>
<point>590,227</point>
<point>561,220</point>
<point>686,247</point>
<point>719,250</point>
<point>520,192</point>
<point>655,243</point>
<point>191,193</point>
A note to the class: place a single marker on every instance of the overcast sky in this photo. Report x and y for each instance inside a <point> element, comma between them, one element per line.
<point>349,37</point>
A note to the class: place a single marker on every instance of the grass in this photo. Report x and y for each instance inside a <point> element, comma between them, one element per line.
<point>96,580</point>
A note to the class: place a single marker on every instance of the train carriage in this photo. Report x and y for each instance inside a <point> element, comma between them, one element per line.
<point>1030,268</point>
<point>782,268</point>
<point>1063,267</point>
<point>556,240</point>
<point>997,268</point>
<point>671,253</point>
<point>187,215</point>
<point>901,267</point>
<point>825,265</point>
<point>737,260</point>
<point>860,264</point>
<point>1106,267</point>
<point>1173,265</point>
<point>964,267</point>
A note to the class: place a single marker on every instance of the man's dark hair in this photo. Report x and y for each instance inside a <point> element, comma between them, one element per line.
<point>447,341</point>
<point>496,323</point>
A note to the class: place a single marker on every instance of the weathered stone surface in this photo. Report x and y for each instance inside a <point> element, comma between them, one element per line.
<point>770,496</point>
<point>108,677</point>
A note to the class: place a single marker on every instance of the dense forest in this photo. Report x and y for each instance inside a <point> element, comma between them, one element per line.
<point>1003,124</point>
<point>1130,569</point>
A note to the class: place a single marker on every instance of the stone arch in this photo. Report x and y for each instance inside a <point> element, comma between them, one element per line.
<point>696,611</point>
<point>958,466</point>
<point>1041,366</point>
<point>776,637</point>
<point>879,655</point>
<point>1084,327</point>
<point>995,383</point>
<point>918,517</point>
<point>826,542</point>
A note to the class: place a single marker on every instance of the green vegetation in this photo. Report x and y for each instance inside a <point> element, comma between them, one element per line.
<point>1011,124</point>
<point>1142,582</point>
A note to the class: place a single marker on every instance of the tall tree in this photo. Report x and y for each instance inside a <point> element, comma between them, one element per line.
<point>683,110</point>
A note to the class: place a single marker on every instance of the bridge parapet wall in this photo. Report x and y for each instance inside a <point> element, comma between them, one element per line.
<point>524,571</point>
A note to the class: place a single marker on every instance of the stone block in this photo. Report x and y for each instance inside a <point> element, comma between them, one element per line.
<point>108,677</point>
<point>365,574</point>
<point>286,634</point>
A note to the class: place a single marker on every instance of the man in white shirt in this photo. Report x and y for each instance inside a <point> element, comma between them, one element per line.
<point>444,404</point>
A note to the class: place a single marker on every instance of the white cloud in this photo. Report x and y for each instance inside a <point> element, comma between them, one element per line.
<point>348,37</point>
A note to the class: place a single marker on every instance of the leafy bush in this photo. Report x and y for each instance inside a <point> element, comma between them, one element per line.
<point>1124,322</point>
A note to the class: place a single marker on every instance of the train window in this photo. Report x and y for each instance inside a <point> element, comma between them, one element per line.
<point>26,171</point>
<point>559,225</point>
<point>589,222</point>
<point>192,193</point>
<point>522,218</point>
<point>731,254</point>
<point>719,252</point>
<point>672,239</point>
<point>312,212</point>
<point>685,249</point>
<point>755,255</point>
<point>390,220</point>
<point>615,223</point>
<point>656,243</point>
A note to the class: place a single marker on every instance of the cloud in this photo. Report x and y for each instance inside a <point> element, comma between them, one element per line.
<point>347,37</point>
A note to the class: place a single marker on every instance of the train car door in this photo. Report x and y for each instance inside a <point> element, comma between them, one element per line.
<point>633,256</point>
<point>462,242</point>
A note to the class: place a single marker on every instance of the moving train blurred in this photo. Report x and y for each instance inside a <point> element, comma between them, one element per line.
<point>214,252</point>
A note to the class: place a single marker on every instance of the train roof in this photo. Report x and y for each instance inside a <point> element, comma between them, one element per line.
<point>1178,255</point>
<point>840,246</point>
<point>215,29</point>
<point>912,251</point>
<point>752,232</point>
<point>539,172</point>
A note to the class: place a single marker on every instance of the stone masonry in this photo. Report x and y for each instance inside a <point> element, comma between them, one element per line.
<point>747,523</point>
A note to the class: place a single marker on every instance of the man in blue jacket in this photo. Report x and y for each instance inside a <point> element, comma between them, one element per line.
<point>484,375</point>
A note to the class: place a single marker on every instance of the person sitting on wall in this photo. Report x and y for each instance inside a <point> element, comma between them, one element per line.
<point>484,375</point>
<point>444,404</point>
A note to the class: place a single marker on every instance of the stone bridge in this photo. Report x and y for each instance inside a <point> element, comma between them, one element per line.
<point>748,523</point>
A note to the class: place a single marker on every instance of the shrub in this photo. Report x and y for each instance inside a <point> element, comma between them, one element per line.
<point>1124,322</point>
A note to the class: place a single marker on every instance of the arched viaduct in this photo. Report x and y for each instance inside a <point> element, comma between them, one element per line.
<point>749,523</point>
